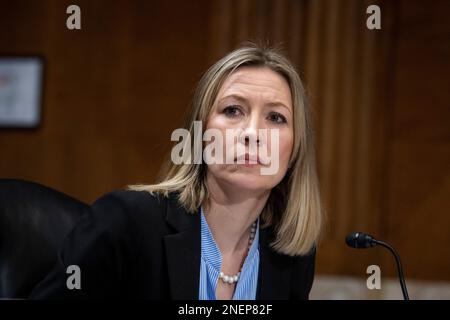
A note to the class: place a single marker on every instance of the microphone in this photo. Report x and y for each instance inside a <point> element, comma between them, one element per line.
<point>361,240</point>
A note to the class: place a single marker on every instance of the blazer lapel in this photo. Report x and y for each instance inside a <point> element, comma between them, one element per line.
<point>183,251</point>
<point>274,271</point>
<point>183,258</point>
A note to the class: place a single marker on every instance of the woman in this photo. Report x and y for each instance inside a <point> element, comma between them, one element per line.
<point>212,230</point>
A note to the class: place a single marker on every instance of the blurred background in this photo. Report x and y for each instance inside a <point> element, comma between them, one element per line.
<point>113,92</point>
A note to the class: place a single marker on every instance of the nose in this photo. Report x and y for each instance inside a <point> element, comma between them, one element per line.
<point>250,131</point>
<point>251,138</point>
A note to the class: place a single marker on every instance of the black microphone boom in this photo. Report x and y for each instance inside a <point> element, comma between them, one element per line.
<point>361,240</point>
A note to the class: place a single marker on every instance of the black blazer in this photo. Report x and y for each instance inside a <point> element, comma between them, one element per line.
<point>135,245</point>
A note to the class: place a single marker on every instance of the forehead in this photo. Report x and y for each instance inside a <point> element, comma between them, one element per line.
<point>256,81</point>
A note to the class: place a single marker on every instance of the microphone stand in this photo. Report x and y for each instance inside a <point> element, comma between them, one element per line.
<point>399,266</point>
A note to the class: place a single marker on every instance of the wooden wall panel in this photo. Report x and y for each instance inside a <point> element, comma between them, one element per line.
<point>115,90</point>
<point>418,171</point>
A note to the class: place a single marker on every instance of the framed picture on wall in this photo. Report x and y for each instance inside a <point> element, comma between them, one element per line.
<point>20,91</point>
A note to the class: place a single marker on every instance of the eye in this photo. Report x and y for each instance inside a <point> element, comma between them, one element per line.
<point>232,111</point>
<point>277,117</point>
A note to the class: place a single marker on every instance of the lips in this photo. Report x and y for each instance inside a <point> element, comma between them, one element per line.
<point>248,159</point>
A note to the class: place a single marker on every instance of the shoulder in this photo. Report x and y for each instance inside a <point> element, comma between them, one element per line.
<point>130,199</point>
<point>126,201</point>
<point>126,210</point>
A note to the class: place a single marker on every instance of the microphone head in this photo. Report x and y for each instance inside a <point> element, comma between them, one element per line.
<point>360,240</point>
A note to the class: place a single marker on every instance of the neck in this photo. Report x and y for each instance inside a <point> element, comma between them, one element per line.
<point>230,214</point>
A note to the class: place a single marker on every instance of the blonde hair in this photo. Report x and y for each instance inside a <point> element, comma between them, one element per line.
<point>294,205</point>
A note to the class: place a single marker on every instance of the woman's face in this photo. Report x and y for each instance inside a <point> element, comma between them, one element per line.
<point>250,99</point>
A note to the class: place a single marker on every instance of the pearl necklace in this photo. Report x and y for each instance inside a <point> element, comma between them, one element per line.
<point>230,279</point>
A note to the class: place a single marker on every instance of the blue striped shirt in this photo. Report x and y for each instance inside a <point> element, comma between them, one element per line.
<point>211,264</point>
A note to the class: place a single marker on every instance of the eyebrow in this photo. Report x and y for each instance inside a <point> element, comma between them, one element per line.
<point>243,99</point>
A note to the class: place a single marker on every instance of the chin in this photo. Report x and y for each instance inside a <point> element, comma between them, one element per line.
<point>243,179</point>
<point>249,182</point>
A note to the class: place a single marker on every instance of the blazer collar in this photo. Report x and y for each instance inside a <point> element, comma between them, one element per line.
<point>183,253</point>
